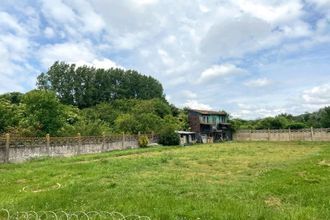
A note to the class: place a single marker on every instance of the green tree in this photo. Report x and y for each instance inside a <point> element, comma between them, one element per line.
<point>12,97</point>
<point>43,113</point>
<point>127,123</point>
<point>325,117</point>
<point>86,86</point>
<point>148,122</point>
<point>9,115</point>
<point>279,122</point>
<point>296,125</point>
<point>168,137</point>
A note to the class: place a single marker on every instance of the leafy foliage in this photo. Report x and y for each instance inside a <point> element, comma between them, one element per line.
<point>143,141</point>
<point>12,97</point>
<point>89,101</point>
<point>9,115</point>
<point>43,112</point>
<point>87,86</point>
<point>168,137</point>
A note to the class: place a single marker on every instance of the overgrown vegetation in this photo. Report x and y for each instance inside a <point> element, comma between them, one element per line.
<point>143,141</point>
<point>168,137</point>
<point>89,101</point>
<point>252,180</point>
<point>318,119</point>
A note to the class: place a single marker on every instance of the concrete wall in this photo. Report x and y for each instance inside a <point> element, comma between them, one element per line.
<point>320,134</point>
<point>21,149</point>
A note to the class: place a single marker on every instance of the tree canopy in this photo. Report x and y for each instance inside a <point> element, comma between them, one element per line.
<point>87,86</point>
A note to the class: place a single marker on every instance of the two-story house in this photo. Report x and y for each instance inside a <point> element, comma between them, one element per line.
<point>210,125</point>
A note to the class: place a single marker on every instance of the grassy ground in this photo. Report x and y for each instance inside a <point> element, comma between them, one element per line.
<point>248,180</point>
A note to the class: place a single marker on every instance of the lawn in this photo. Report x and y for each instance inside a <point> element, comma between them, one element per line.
<point>239,180</point>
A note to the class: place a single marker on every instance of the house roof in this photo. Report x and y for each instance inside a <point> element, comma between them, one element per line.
<point>208,112</point>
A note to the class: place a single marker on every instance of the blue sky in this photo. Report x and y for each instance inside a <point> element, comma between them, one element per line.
<point>251,58</point>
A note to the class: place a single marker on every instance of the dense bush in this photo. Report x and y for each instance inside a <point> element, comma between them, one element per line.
<point>143,141</point>
<point>168,137</point>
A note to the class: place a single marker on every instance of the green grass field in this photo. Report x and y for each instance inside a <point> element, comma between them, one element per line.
<point>247,180</point>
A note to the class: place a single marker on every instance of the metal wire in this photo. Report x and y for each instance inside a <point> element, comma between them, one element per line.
<point>60,214</point>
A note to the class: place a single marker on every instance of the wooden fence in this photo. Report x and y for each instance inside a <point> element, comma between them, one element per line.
<point>310,134</point>
<point>17,148</point>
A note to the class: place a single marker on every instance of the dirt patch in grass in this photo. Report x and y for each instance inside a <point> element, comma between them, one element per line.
<point>325,163</point>
<point>273,201</point>
<point>37,189</point>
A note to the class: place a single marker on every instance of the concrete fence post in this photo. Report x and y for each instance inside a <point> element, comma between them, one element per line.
<point>47,144</point>
<point>289,134</point>
<point>123,140</point>
<point>103,142</point>
<point>7,148</point>
<point>138,138</point>
<point>268,134</point>
<point>152,137</point>
<point>79,143</point>
<point>312,134</point>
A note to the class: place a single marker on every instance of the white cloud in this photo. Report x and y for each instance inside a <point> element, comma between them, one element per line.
<point>219,71</point>
<point>167,60</point>
<point>318,95</point>
<point>204,8</point>
<point>103,63</point>
<point>73,19</point>
<point>234,36</point>
<point>194,104</point>
<point>146,2</point>
<point>49,32</point>
<point>15,49</point>
<point>176,81</point>
<point>272,11</point>
<point>309,100</point>
<point>77,53</point>
<point>58,11</point>
<point>188,94</point>
<point>178,42</point>
<point>9,22</point>
<point>260,110</point>
<point>92,22</point>
<point>321,4</point>
<point>69,52</point>
<point>258,82</point>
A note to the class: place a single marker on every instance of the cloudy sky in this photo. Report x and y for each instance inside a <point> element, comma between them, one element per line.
<point>252,58</point>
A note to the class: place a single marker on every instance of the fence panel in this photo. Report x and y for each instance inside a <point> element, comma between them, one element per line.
<point>309,134</point>
<point>23,148</point>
